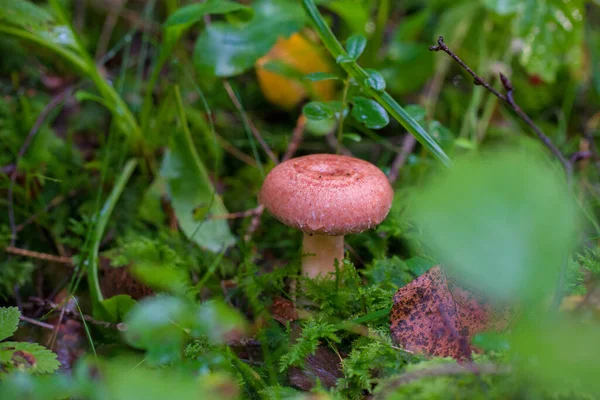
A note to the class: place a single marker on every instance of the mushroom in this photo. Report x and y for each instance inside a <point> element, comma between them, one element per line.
<point>326,196</point>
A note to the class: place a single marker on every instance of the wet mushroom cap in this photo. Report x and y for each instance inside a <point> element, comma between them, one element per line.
<point>327,194</point>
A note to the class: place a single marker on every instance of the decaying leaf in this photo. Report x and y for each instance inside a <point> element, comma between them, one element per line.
<point>324,365</point>
<point>435,316</point>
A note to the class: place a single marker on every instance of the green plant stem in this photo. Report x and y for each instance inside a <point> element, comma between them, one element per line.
<point>102,221</point>
<point>360,75</point>
<point>342,116</point>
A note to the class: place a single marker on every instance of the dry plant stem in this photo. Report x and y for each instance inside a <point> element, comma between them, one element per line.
<point>408,146</point>
<point>297,136</point>
<point>50,305</point>
<point>253,128</point>
<point>36,322</point>
<point>509,100</point>
<point>56,100</point>
<point>319,253</point>
<point>38,255</point>
<point>443,370</point>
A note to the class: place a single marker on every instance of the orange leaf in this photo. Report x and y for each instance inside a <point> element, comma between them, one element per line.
<point>435,316</point>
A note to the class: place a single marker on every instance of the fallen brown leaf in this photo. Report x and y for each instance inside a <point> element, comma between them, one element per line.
<point>435,316</point>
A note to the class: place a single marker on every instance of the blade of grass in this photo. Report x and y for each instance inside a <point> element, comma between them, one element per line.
<point>103,217</point>
<point>360,75</point>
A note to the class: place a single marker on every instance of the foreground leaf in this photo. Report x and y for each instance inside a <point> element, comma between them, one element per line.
<point>193,13</point>
<point>9,321</point>
<point>28,357</point>
<point>432,315</point>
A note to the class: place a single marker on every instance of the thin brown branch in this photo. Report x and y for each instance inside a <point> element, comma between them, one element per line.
<point>36,322</point>
<point>253,128</point>
<point>509,100</point>
<point>38,255</point>
<point>255,223</point>
<point>297,136</point>
<point>238,215</point>
<point>442,370</point>
<point>408,146</point>
<point>50,305</point>
<point>53,203</point>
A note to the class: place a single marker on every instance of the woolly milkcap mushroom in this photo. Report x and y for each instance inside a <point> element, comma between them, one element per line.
<point>326,196</point>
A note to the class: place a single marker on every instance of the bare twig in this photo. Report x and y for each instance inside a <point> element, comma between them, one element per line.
<point>53,203</point>
<point>297,136</point>
<point>50,305</point>
<point>38,255</point>
<point>442,370</point>
<point>253,128</point>
<point>240,214</point>
<point>56,100</point>
<point>255,223</point>
<point>36,322</point>
<point>509,100</point>
<point>407,147</point>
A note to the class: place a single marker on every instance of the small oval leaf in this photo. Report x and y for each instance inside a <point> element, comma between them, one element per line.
<point>318,111</point>
<point>375,80</point>
<point>370,113</point>
<point>355,46</point>
<point>321,76</point>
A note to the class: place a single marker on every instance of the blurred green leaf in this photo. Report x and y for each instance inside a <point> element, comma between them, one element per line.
<point>318,111</point>
<point>162,277</point>
<point>560,354</point>
<point>354,13</point>
<point>189,186</point>
<point>375,80</point>
<point>356,45</point>
<point>219,322</point>
<point>503,7</point>
<point>503,224</point>
<point>23,13</point>
<point>225,50</point>
<point>321,76</point>
<point>9,321</point>
<point>193,13</point>
<point>116,308</point>
<point>370,113</point>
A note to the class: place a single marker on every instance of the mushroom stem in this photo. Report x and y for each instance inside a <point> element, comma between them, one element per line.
<point>319,253</point>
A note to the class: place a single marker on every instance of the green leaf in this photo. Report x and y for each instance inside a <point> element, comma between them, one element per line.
<point>370,113</point>
<point>354,13</point>
<point>116,308</point>
<point>193,13</point>
<point>162,277</point>
<point>29,357</point>
<point>189,186</point>
<point>218,322</point>
<point>552,33</point>
<point>23,13</point>
<point>344,59</point>
<point>356,138</point>
<point>318,111</point>
<point>503,224</point>
<point>375,80</point>
<point>355,46</point>
<point>321,76</point>
<point>9,321</point>
<point>503,7</point>
<point>160,325</point>
<point>226,50</point>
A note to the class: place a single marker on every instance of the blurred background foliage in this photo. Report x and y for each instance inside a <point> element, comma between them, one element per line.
<point>130,130</point>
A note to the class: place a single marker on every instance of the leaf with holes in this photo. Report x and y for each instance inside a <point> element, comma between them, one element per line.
<point>435,316</point>
<point>29,357</point>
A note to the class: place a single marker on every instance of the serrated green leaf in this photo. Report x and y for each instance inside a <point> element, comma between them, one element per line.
<point>9,321</point>
<point>318,111</point>
<point>375,80</point>
<point>28,357</point>
<point>321,76</point>
<point>193,13</point>
<point>226,50</point>
<point>370,113</point>
<point>355,46</point>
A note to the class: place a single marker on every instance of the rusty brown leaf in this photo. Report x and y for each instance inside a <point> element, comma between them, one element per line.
<point>435,316</point>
